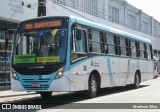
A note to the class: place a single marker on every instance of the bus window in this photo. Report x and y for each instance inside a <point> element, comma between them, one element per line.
<point>137,49</point>
<point>105,43</point>
<point>145,51</point>
<point>151,51</point>
<point>133,48</point>
<point>95,44</point>
<point>78,43</point>
<point>148,51</point>
<point>110,42</point>
<point>123,46</point>
<point>117,45</point>
<point>128,47</point>
<point>141,50</point>
<point>102,42</point>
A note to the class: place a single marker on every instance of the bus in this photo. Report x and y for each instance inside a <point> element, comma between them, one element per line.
<point>71,54</point>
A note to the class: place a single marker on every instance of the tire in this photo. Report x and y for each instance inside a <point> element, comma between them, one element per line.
<point>45,94</point>
<point>136,81</point>
<point>92,92</point>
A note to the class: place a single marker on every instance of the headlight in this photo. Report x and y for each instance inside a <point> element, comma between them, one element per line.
<point>14,75</point>
<point>60,72</point>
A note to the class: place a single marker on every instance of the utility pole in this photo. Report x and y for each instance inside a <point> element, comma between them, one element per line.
<point>41,8</point>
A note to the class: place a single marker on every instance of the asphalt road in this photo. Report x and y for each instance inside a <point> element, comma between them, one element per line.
<point>149,92</point>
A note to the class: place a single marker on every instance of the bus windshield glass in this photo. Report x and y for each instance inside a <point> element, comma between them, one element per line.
<point>41,46</point>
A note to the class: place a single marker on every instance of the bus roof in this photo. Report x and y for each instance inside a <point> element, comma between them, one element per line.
<point>107,28</point>
<point>89,23</point>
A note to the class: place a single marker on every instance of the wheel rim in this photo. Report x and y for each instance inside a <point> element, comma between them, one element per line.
<point>93,85</point>
<point>137,80</point>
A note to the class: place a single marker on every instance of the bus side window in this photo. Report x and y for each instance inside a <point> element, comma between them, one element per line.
<point>117,45</point>
<point>90,38</point>
<point>148,51</point>
<point>141,50</point>
<point>123,46</point>
<point>145,51</point>
<point>133,48</point>
<point>78,44</point>
<point>151,51</point>
<point>137,49</point>
<point>102,42</point>
<point>95,41</point>
<point>128,47</point>
<point>110,42</point>
<point>105,43</point>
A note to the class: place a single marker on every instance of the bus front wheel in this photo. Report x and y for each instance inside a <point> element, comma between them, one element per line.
<point>45,94</point>
<point>92,92</point>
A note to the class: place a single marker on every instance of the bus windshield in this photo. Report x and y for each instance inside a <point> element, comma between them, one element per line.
<point>42,46</point>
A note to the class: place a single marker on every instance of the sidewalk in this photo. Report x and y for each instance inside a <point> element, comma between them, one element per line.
<point>7,95</point>
<point>7,92</point>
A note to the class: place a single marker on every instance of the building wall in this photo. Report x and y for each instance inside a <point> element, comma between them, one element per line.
<point>13,11</point>
<point>115,13</point>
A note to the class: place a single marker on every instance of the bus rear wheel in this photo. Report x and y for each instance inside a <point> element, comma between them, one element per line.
<point>45,94</point>
<point>92,92</point>
<point>136,81</point>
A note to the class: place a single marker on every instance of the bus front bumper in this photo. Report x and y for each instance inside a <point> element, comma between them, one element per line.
<point>58,85</point>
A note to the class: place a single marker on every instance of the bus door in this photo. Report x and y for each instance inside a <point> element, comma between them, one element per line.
<point>78,55</point>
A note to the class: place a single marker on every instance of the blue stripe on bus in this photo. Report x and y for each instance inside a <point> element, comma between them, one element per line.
<point>110,71</point>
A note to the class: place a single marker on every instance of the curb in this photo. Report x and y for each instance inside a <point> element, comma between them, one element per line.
<point>18,95</point>
<point>3,88</point>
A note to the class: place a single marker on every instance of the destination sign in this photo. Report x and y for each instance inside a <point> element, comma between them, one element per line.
<point>37,25</point>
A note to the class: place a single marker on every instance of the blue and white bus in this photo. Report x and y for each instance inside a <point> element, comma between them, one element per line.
<point>67,54</point>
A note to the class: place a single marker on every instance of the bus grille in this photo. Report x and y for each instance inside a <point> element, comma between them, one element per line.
<point>28,82</point>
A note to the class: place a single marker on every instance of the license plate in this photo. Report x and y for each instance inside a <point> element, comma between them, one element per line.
<point>45,76</point>
<point>35,85</point>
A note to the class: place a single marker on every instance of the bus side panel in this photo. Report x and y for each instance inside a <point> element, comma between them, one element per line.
<point>114,75</point>
<point>78,77</point>
<point>150,69</point>
<point>143,70</point>
<point>124,71</point>
<point>133,67</point>
<point>81,71</point>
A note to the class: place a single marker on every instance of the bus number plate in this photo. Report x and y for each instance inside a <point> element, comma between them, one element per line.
<point>35,85</point>
<point>45,76</point>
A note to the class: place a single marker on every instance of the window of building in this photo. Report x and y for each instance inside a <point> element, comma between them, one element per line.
<point>145,27</point>
<point>131,20</point>
<point>113,14</point>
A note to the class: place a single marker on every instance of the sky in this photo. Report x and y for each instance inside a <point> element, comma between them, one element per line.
<point>150,7</point>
